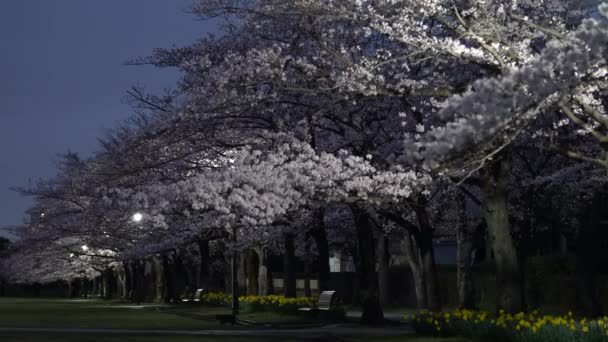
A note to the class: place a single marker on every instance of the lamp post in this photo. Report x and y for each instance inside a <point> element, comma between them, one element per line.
<point>235,282</point>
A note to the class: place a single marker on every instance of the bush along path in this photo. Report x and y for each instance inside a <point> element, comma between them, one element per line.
<point>520,327</point>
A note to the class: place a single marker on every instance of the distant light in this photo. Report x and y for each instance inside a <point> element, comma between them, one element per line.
<point>137,217</point>
<point>71,255</point>
<point>85,248</point>
<point>41,214</point>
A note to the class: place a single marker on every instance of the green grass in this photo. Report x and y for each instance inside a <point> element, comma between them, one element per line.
<point>262,317</point>
<point>32,337</point>
<point>56,313</point>
<point>46,337</point>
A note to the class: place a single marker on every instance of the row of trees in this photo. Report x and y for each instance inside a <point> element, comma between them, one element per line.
<point>311,126</point>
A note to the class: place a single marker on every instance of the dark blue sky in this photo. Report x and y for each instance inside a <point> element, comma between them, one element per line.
<point>62,78</point>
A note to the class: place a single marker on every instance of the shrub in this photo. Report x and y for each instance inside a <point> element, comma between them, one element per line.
<point>261,303</point>
<point>520,327</point>
<point>215,298</point>
<point>275,303</point>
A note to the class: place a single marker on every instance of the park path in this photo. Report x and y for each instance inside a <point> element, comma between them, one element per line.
<point>320,332</point>
<point>396,316</point>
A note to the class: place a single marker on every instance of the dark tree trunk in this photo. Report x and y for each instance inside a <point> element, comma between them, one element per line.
<point>181,277</point>
<point>265,287</point>
<point>587,257</point>
<point>204,278</point>
<point>366,269</point>
<point>106,292</point>
<point>84,288</point>
<point>69,283</point>
<point>158,276</point>
<point>412,253</point>
<point>138,282</point>
<point>150,279</point>
<point>356,295</point>
<point>169,279</point>
<point>128,280</point>
<point>508,276</point>
<point>307,291</point>
<point>121,279</point>
<point>464,250</point>
<point>383,269</point>
<point>319,234</point>
<point>228,273</point>
<point>430,272</point>
<point>241,274</point>
<point>289,267</point>
<point>251,269</point>
<point>427,255</point>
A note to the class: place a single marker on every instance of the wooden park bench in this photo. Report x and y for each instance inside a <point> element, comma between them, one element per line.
<point>196,298</point>
<point>326,302</point>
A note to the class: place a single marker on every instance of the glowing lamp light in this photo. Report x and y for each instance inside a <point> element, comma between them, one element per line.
<point>137,217</point>
<point>85,248</point>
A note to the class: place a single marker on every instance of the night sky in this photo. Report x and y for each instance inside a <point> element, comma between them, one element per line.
<point>63,81</point>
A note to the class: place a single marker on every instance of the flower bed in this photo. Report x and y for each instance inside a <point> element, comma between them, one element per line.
<point>521,327</point>
<point>260,303</point>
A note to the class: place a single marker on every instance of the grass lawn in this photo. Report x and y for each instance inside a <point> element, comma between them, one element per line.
<point>58,313</point>
<point>156,338</point>
<point>39,337</point>
<point>263,317</point>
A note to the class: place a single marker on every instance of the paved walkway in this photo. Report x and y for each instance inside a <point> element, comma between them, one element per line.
<point>396,316</point>
<point>327,331</point>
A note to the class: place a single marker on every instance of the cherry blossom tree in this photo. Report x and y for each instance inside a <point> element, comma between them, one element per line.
<point>300,105</point>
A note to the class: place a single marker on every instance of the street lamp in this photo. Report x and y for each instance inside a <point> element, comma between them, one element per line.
<point>137,217</point>
<point>235,282</point>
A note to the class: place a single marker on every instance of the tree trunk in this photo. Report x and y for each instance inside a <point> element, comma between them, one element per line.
<point>158,275</point>
<point>169,279</point>
<point>138,282</point>
<point>128,280</point>
<point>204,279</point>
<point>252,267</point>
<point>383,269</point>
<point>464,249</point>
<point>307,291</point>
<point>366,269</point>
<point>228,273</point>
<point>121,276</point>
<point>587,258</point>
<point>241,274</point>
<point>289,265</point>
<point>94,287</point>
<point>427,256</point>
<point>181,275</point>
<point>264,273</point>
<point>107,283</point>
<point>356,295</point>
<point>412,254</point>
<point>319,234</point>
<point>150,280</point>
<point>508,277</point>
